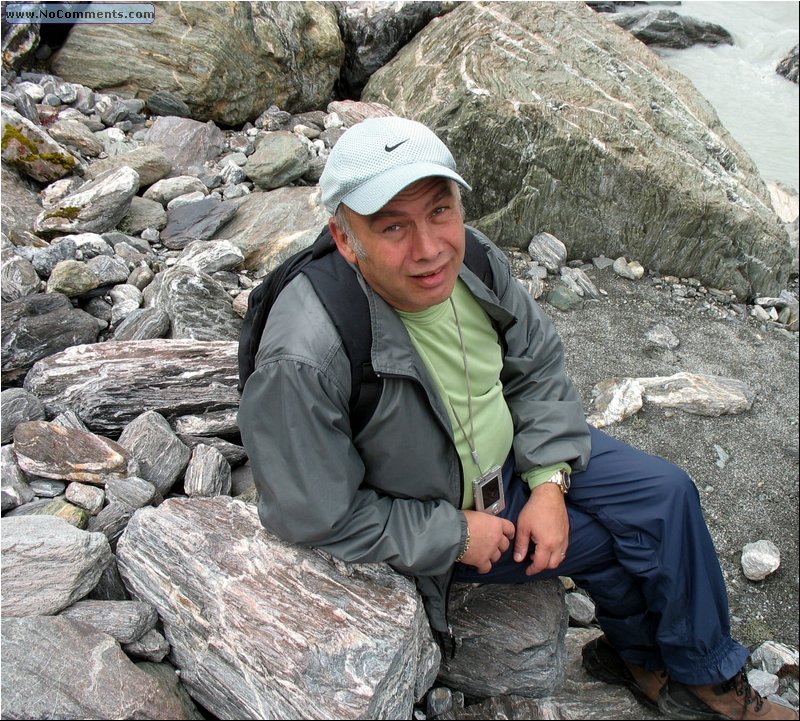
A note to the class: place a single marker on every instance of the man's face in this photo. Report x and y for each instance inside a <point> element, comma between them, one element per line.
<point>413,246</point>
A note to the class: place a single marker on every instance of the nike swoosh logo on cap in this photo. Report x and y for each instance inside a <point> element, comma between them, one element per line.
<point>390,148</point>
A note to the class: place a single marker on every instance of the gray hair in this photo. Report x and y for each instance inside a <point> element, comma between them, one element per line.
<point>343,222</point>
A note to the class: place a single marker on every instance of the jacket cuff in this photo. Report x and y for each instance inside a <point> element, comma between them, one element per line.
<point>538,476</point>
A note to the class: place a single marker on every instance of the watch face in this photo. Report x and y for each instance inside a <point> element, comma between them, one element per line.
<point>561,479</point>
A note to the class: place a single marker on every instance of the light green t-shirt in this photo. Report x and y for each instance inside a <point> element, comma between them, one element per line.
<point>435,336</point>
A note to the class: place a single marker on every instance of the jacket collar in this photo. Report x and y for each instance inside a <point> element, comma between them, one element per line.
<point>392,350</point>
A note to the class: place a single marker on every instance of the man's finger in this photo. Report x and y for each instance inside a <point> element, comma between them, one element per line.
<point>521,547</point>
<point>540,561</point>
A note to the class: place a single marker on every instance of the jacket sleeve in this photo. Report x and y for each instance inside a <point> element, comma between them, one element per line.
<point>547,411</point>
<point>309,476</point>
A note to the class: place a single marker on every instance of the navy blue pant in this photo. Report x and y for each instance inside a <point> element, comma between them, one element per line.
<point>640,546</point>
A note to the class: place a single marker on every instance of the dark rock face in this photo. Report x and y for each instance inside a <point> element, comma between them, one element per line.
<point>163,102</point>
<point>498,632</point>
<point>671,30</point>
<point>19,43</point>
<point>373,32</point>
<point>38,326</point>
<point>196,221</point>
<point>788,66</point>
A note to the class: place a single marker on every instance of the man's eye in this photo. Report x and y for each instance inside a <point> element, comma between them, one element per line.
<point>441,209</point>
<point>391,228</point>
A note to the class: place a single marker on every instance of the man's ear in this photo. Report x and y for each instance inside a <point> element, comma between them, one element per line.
<point>342,242</point>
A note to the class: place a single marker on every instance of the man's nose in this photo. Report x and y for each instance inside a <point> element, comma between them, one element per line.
<point>425,244</point>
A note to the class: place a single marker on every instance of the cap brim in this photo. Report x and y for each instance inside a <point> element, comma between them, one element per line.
<point>370,197</point>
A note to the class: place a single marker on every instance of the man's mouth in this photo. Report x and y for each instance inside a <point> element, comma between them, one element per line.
<point>431,279</point>
<point>429,273</point>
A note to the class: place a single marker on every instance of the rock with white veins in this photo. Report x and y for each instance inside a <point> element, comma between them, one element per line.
<point>264,629</point>
<point>701,394</point>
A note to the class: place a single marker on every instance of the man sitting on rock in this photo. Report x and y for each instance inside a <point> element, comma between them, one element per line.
<point>475,412</point>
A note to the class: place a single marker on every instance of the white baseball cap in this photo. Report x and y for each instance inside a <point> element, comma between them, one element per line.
<point>378,157</point>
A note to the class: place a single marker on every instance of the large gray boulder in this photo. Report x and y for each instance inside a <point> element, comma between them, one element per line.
<point>48,565</point>
<point>269,227</point>
<point>263,629</point>
<point>226,61</point>
<point>61,668</point>
<point>110,384</point>
<point>595,141</point>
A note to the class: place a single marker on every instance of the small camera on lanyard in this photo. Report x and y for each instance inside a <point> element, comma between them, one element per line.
<point>488,491</point>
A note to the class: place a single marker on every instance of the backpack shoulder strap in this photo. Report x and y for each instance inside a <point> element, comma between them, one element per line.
<point>340,292</point>
<point>476,259</point>
<point>259,304</point>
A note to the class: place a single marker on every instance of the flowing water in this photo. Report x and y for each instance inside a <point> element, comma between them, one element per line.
<point>756,105</point>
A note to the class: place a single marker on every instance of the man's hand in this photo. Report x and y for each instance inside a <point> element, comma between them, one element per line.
<point>489,537</point>
<point>544,522</point>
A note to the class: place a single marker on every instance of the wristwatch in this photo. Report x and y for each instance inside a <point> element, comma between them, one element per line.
<point>561,479</point>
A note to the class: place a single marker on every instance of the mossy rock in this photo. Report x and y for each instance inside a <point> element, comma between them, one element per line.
<point>71,514</point>
<point>32,151</point>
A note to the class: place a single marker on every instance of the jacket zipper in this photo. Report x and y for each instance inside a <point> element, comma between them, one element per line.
<point>450,580</point>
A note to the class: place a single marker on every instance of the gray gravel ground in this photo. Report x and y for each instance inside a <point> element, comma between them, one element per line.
<point>755,495</point>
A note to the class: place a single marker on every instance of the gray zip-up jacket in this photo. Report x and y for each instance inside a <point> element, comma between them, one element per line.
<point>393,492</point>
